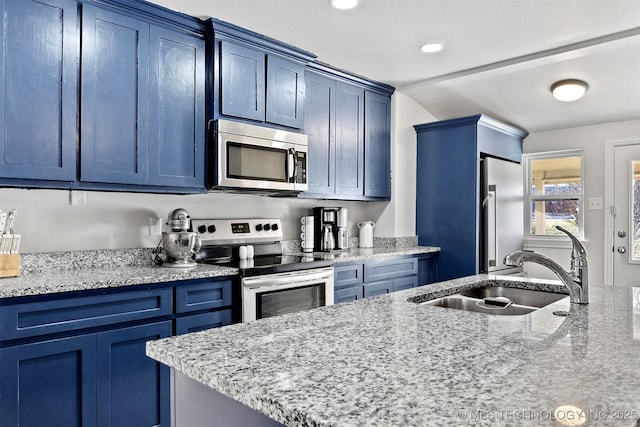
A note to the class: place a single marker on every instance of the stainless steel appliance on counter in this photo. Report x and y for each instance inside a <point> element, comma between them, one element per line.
<point>330,229</point>
<point>271,283</point>
<point>502,208</point>
<point>258,158</point>
<point>180,244</point>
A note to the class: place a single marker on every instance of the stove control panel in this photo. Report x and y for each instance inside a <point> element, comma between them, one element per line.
<point>238,230</point>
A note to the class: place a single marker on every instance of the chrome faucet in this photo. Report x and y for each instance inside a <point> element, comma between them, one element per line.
<point>577,279</point>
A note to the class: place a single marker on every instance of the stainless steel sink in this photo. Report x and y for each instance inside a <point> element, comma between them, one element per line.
<point>497,300</point>
<point>519,296</point>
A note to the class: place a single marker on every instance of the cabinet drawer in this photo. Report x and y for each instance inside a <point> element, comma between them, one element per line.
<point>347,275</point>
<point>47,317</point>
<point>378,288</point>
<point>384,269</point>
<point>200,322</point>
<point>405,283</point>
<point>203,296</point>
<point>351,293</point>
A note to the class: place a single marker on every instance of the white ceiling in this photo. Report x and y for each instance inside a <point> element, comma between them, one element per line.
<point>500,57</point>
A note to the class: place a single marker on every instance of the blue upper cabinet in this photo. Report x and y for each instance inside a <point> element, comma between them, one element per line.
<point>242,81</point>
<point>349,139</point>
<point>115,98</point>
<point>319,124</point>
<point>177,117</point>
<point>257,78</point>
<point>117,88</point>
<point>39,89</point>
<point>348,123</point>
<point>377,159</point>
<point>285,92</point>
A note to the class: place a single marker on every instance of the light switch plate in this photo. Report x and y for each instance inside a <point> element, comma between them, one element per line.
<point>595,204</point>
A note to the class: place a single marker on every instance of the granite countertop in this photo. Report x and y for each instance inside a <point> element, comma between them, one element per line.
<point>356,254</point>
<point>385,361</point>
<point>54,272</point>
<point>49,282</point>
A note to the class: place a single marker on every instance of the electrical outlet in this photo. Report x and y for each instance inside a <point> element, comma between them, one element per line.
<point>155,226</point>
<point>595,203</point>
<point>77,198</point>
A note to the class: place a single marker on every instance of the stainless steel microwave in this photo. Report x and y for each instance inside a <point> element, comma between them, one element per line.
<point>250,157</point>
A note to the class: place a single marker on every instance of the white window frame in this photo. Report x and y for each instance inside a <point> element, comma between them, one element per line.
<point>530,198</point>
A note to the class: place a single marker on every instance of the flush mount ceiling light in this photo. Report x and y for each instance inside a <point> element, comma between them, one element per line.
<point>432,47</point>
<point>344,4</point>
<point>569,90</point>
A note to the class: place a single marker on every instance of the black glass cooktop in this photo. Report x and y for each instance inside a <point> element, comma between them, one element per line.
<point>270,264</point>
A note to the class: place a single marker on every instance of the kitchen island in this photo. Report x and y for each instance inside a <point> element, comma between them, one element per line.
<point>386,361</point>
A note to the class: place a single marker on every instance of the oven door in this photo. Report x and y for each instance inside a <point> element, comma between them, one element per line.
<point>246,162</point>
<point>275,294</point>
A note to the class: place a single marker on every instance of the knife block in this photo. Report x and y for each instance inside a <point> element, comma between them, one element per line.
<point>9,265</point>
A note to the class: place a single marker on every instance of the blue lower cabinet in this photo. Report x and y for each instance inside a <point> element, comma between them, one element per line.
<point>202,321</point>
<point>49,383</point>
<point>132,388</point>
<point>405,283</point>
<point>378,288</point>
<point>427,268</point>
<point>351,293</point>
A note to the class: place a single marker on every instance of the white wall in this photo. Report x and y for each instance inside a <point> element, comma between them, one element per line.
<point>49,223</point>
<point>399,217</point>
<point>592,140</point>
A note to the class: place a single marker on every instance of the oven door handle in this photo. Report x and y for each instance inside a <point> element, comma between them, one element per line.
<point>296,279</point>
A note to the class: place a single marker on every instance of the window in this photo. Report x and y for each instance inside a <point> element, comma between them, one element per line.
<point>554,192</point>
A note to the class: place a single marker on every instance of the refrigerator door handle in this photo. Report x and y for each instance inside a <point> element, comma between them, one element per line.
<point>492,225</point>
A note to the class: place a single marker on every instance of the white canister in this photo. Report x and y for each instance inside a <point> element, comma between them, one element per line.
<point>366,233</point>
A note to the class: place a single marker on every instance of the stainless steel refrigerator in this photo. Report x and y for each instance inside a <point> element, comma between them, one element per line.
<point>501,213</point>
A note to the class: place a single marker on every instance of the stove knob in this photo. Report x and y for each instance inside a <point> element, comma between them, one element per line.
<point>274,227</point>
<point>259,227</point>
<point>267,227</point>
<point>202,228</point>
<point>211,229</point>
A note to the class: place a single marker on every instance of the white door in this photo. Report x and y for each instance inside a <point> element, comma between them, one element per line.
<point>626,222</point>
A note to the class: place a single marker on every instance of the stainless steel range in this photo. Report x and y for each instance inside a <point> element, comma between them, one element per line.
<point>271,283</point>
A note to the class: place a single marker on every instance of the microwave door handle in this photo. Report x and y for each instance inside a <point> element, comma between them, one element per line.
<point>291,165</point>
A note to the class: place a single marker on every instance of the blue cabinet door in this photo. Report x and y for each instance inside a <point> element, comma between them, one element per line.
<point>349,139</point>
<point>352,293</point>
<point>242,81</point>
<point>133,389</point>
<point>378,288</point>
<point>177,124</point>
<point>49,383</point>
<point>39,89</point>
<point>115,98</point>
<point>377,145</point>
<point>285,92</point>
<point>319,119</point>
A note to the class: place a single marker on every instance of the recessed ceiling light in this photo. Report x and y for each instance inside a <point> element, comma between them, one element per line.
<point>344,4</point>
<point>432,47</point>
<point>569,90</point>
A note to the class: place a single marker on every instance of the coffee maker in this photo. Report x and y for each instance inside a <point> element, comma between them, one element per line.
<point>330,229</point>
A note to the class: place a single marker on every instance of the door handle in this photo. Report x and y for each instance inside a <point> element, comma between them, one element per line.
<point>291,165</point>
<point>622,250</point>
<point>622,234</point>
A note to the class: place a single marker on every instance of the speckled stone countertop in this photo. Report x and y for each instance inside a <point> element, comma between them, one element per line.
<point>357,254</point>
<point>385,361</point>
<point>54,272</point>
